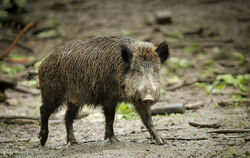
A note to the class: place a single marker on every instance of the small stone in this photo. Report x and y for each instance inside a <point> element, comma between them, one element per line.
<point>163,17</point>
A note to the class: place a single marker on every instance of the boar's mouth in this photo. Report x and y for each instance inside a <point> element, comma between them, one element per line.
<point>137,99</point>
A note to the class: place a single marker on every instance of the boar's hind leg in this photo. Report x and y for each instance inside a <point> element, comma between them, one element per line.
<point>69,119</point>
<point>45,111</point>
<point>145,114</point>
<point>109,113</point>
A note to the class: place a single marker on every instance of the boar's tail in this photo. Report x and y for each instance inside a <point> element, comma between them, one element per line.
<point>31,75</point>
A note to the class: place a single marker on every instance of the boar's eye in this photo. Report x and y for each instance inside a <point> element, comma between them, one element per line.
<point>135,71</point>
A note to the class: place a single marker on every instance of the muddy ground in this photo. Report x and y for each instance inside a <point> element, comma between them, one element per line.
<point>219,27</point>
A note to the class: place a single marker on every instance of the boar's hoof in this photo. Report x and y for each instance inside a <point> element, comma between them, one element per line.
<point>113,139</point>
<point>43,135</point>
<point>72,140</point>
<point>159,141</point>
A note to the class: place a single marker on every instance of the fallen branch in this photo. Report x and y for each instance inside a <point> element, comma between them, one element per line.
<point>162,129</point>
<point>168,108</point>
<point>13,141</point>
<point>7,82</point>
<point>19,117</point>
<point>26,89</point>
<point>186,139</point>
<point>20,61</point>
<point>21,120</point>
<point>227,102</point>
<point>225,131</point>
<point>26,28</point>
<point>18,121</point>
<point>204,125</point>
<point>27,49</point>
<point>194,106</point>
<point>245,94</point>
<point>202,43</point>
<point>89,141</point>
<point>187,83</point>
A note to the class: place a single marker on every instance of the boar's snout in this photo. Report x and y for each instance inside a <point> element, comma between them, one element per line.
<point>148,100</point>
<point>148,93</point>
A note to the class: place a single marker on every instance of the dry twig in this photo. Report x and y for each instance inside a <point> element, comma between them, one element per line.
<point>13,141</point>
<point>187,83</point>
<point>26,28</point>
<point>26,89</point>
<point>187,139</point>
<point>20,61</point>
<point>204,125</point>
<point>225,131</point>
<point>194,106</point>
<point>232,101</point>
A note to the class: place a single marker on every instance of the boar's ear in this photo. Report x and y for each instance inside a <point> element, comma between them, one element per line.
<point>126,54</point>
<point>162,51</point>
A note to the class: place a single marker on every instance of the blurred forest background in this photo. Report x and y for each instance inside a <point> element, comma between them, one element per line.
<point>205,107</point>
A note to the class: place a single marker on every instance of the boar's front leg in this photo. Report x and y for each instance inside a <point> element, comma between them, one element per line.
<point>145,114</point>
<point>109,112</point>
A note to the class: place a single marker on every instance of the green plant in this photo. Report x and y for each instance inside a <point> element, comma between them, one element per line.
<point>17,4</point>
<point>37,108</point>
<point>230,152</point>
<point>208,88</point>
<point>52,22</point>
<point>30,83</point>
<point>238,82</point>
<point>37,64</point>
<point>17,56</point>
<point>224,80</point>
<point>179,62</point>
<point>177,34</point>
<point>173,79</point>
<point>163,91</point>
<point>36,124</point>
<point>239,56</point>
<point>209,72</point>
<point>3,13</point>
<point>48,34</point>
<point>126,33</point>
<point>193,48</point>
<point>127,111</point>
<point>11,70</point>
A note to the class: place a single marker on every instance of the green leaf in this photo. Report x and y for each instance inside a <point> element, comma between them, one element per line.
<point>30,83</point>
<point>179,62</point>
<point>177,34</point>
<point>11,70</point>
<point>173,79</point>
<point>37,64</point>
<point>126,33</point>
<point>21,3</point>
<point>194,48</point>
<point>127,111</point>
<point>163,91</point>
<point>52,22</point>
<point>3,13</point>
<point>48,34</point>
<point>6,3</point>
<point>221,86</point>
<point>239,56</point>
